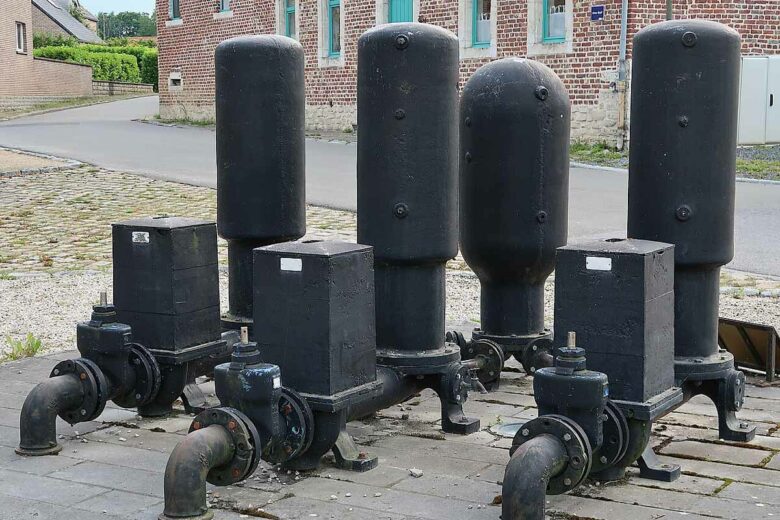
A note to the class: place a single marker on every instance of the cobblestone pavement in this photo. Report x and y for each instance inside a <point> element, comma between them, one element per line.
<point>55,256</point>
<point>113,468</point>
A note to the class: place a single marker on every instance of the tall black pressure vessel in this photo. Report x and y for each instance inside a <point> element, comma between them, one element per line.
<point>684,108</point>
<point>514,189</point>
<point>407,176</point>
<point>261,200</point>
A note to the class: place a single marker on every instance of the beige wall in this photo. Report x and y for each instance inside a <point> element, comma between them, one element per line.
<point>22,76</point>
<point>43,24</point>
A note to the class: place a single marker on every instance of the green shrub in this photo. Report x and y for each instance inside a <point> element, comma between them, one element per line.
<point>19,348</point>
<point>105,66</point>
<point>149,70</point>
<point>53,40</point>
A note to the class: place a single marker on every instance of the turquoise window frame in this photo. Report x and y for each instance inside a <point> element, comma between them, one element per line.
<point>224,6</point>
<point>172,14</point>
<point>289,11</point>
<point>395,15</point>
<point>474,16</point>
<point>332,51</point>
<point>546,25</point>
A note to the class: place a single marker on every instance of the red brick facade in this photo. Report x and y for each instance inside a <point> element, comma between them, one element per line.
<point>587,61</point>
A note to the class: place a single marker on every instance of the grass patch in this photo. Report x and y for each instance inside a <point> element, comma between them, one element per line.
<point>598,153</point>
<point>759,169</point>
<point>6,276</point>
<point>186,121</point>
<point>59,105</point>
<point>22,348</point>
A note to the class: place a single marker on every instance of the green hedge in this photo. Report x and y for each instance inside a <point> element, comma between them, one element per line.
<point>105,66</point>
<point>53,40</point>
<point>149,72</point>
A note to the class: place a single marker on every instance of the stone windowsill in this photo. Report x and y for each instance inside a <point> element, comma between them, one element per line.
<point>223,14</point>
<point>174,23</point>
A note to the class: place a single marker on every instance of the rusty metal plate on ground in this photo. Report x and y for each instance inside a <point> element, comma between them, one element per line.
<point>753,346</point>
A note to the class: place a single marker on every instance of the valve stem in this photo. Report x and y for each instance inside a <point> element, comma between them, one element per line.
<point>571,339</point>
<point>103,299</point>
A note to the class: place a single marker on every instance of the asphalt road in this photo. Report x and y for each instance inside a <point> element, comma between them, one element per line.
<point>106,135</point>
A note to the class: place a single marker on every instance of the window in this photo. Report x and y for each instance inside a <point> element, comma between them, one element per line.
<point>554,20</point>
<point>224,6</point>
<point>480,32</point>
<point>21,37</point>
<point>400,11</point>
<point>174,12</point>
<point>334,28</point>
<point>289,19</point>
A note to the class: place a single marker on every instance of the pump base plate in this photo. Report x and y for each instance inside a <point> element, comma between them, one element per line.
<point>419,361</point>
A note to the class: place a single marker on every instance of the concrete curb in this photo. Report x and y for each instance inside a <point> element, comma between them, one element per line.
<point>623,170</point>
<point>60,109</point>
<point>69,163</point>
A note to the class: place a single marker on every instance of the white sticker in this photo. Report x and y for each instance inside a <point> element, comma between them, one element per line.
<point>140,237</point>
<point>598,263</point>
<point>291,264</point>
<point>277,382</point>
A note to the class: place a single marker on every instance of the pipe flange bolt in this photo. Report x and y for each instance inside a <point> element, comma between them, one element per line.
<point>95,387</point>
<point>246,442</point>
<point>572,437</point>
<point>616,435</point>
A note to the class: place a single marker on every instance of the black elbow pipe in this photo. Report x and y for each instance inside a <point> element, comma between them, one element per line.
<point>189,464</point>
<point>38,420</point>
<point>527,476</point>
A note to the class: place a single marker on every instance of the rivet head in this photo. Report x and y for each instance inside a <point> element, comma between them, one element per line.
<point>683,121</point>
<point>541,217</point>
<point>467,156</point>
<point>401,41</point>
<point>400,113</point>
<point>566,437</point>
<point>683,213</point>
<point>526,433</point>
<point>400,210</point>
<point>468,121</point>
<point>541,92</point>
<point>689,39</point>
<point>567,482</point>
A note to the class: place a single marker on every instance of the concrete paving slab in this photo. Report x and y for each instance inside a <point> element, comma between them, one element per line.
<point>119,477</point>
<point>120,502</point>
<point>717,452</point>
<point>45,489</point>
<point>719,470</point>
<point>753,493</point>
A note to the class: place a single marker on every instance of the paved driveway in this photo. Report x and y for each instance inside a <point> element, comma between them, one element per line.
<point>106,135</point>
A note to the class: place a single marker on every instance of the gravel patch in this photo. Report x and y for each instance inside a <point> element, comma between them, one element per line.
<point>761,153</point>
<point>50,305</point>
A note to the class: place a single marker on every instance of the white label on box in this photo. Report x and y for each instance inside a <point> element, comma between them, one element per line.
<point>598,263</point>
<point>277,382</point>
<point>291,264</point>
<point>140,237</point>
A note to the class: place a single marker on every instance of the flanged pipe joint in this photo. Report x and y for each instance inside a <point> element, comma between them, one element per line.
<point>579,432</point>
<point>112,367</point>
<point>681,189</point>
<point>514,182</point>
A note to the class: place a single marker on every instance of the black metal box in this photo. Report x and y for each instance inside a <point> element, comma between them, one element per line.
<point>314,314</point>
<point>618,296</point>
<point>166,281</point>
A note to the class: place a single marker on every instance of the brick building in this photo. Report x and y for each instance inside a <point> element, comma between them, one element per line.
<point>579,39</point>
<point>25,80</point>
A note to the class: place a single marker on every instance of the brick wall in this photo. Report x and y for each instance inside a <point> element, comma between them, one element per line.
<point>119,88</point>
<point>26,80</point>
<point>587,64</point>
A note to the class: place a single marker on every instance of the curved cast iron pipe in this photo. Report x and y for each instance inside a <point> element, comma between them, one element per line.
<point>185,474</point>
<point>38,420</point>
<point>527,475</point>
<point>396,388</point>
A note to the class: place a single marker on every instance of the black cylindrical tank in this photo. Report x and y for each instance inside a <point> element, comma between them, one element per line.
<point>406,176</point>
<point>684,109</point>
<point>260,154</point>
<point>514,188</point>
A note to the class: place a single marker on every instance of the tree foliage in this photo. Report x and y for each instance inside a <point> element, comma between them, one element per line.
<point>126,23</point>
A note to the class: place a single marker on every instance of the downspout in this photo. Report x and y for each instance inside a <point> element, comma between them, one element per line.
<point>622,81</point>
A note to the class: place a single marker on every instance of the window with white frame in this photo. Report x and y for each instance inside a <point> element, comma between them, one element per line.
<point>477,28</point>
<point>21,37</point>
<point>550,27</point>
<point>224,6</point>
